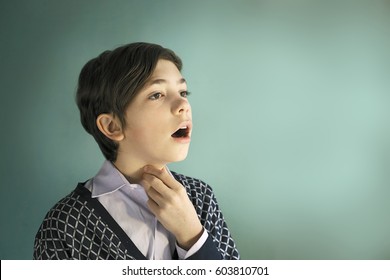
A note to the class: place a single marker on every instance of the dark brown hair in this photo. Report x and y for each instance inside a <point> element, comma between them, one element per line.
<point>109,82</point>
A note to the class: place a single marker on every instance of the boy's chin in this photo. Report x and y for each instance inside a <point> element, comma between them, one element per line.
<point>175,155</point>
<point>179,157</point>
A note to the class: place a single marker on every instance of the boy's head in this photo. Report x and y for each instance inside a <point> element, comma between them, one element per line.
<point>108,84</point>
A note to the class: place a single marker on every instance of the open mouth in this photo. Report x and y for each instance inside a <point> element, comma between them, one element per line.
<point>182,132</point>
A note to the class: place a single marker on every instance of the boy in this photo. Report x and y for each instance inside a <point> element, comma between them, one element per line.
<point>133,101</point>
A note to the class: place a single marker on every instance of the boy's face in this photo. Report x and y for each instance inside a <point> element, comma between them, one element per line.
<point>158,120</point>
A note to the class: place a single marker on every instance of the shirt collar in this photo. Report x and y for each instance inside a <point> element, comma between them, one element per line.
<point>109,180</point>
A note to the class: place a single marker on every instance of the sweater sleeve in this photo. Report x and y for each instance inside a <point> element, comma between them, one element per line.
<point>49,243</point>
<point>220,244</point>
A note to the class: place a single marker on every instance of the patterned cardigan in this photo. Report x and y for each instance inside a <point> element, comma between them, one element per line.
<point>79,227</point>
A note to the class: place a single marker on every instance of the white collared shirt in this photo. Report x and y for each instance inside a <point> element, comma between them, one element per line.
<point>126,203</point>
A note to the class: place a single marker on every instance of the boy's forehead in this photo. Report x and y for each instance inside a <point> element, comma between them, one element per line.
<point>165,67</point>
<point>165,72</point>
<point>160,80</point>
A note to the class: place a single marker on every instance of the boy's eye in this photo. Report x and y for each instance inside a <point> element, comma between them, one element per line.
<point>185,93</point>
<point>155,96</point>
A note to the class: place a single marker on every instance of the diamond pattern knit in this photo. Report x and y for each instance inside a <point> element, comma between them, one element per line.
<point>79,227</point>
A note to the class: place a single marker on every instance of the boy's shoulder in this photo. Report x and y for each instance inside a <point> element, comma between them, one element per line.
<point>188,181</point>
<point>71,204</point>
<point>194,186</point>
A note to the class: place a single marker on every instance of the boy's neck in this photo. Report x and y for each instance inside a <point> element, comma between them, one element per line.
<point>133,171</point>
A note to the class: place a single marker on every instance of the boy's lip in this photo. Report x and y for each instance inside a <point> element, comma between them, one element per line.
<point>188,125</point>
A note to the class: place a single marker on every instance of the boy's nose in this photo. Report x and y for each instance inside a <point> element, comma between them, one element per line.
<point>181,106</point>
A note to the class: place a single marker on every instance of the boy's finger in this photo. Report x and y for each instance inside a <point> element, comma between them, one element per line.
<point>155,196</point>
<point>163,175</point>
<point>152,182</point>
<point>145,184</point>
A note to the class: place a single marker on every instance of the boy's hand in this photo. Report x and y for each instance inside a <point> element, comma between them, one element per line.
<point>169,202</point>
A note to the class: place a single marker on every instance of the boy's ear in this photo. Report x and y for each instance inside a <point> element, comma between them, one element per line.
<point>110,126</point>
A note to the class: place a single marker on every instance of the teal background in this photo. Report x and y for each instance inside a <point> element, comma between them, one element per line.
<point>291,112</point>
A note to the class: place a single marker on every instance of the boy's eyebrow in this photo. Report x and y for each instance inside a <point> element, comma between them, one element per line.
<point>163,81</point>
